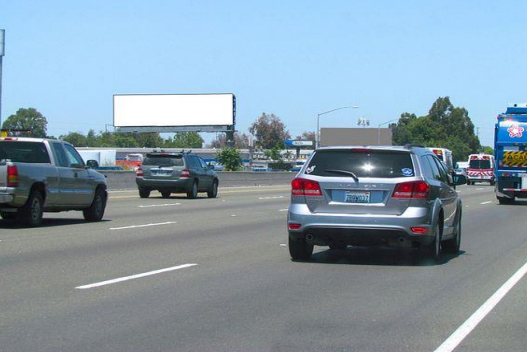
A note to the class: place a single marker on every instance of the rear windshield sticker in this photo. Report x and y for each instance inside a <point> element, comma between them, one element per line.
<point>310,169</point>
<point>407,172</point>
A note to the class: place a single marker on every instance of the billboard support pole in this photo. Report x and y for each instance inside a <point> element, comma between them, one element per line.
<point>2,49</point>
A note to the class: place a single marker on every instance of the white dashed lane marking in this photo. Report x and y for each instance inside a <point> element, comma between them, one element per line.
<point>145,225</point>
<point>159,205</point>
<point>132,277</point>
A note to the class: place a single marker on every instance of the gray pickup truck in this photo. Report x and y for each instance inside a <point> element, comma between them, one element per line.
<point>44,175</point>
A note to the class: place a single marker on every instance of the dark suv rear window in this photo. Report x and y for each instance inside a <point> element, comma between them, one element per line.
<point>363,163</point>
<point>163,160</point>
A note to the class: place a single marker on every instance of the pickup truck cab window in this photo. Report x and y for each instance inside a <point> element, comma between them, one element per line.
<point>60,155</point>
<point>73,156</point>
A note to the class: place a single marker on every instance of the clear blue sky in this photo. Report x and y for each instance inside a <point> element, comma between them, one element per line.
<point>291,58</point>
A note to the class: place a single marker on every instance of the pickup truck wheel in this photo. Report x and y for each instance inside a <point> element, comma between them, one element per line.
<point>8,216</point>
<point>31,213</point>
<point>213,191</point>
<point>193,191</point>
<point>144,193</point>
<point>165,194</point>
<point>95,211</point>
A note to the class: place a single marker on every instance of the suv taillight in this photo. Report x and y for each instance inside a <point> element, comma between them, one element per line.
<point>415,189</point>
<point>139,172</point>
<point>303,187</point>
<point>185,173</point>
<point>12,176</point>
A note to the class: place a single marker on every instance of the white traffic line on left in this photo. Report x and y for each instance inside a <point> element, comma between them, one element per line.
<point>275,197</point>
<point>488,202</point>
<point>145,225</point>
<point>132,277</point>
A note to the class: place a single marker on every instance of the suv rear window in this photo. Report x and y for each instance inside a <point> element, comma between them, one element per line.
<point>368,163</point>
<point>163,160</point>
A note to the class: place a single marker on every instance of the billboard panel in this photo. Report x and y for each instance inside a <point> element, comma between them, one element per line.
<point>159,112</point>
<point>355,136</point>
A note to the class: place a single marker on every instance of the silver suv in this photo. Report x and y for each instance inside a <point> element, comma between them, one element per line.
<point>181,172</point>
<point>374,196</point>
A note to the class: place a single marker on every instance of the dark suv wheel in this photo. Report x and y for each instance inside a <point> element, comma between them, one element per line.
<point>193,190</point>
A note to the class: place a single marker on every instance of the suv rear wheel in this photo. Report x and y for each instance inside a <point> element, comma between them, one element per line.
<point>452,245</point>
<point>299,249</point>
<point>434,249</point>
<point>144,193</point>
<point>193,191</point>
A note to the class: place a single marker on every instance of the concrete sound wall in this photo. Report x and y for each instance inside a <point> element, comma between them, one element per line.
<point>120,180</point>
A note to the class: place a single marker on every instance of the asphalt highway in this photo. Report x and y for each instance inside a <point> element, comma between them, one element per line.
<point>215,275</point>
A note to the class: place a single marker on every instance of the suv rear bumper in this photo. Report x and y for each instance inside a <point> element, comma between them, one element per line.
<point>361,229</point>
<point>181,184</point>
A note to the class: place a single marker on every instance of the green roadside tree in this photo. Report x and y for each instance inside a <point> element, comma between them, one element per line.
<point>26,123</point>
<point>269,131</point>
<point>184,140</point>
<point>445,126</point>
<point>231,159</point>
<point>75,138</point>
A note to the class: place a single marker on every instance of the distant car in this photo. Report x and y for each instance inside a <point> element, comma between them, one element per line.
<point>217,167</point>
<point>260,168</point>
<point>461,171</point>
<point>180,172</point>
<point>297,166</point>
<point>374,196</point>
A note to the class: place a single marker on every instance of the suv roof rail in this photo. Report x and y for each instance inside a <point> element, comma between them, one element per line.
<point>409,146</point>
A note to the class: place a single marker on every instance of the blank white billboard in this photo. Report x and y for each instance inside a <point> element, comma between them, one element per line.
<point>173,110</point>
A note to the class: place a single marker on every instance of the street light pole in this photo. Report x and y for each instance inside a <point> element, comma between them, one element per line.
<point>379,130</point>
<point>317,144</point>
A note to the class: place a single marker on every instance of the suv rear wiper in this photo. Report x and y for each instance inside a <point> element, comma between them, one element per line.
<point>350,173</point>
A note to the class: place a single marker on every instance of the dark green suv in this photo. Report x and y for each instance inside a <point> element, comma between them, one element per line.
<point>180,172</point>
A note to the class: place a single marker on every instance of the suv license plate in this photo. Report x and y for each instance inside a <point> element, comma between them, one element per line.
<point>357,197</point>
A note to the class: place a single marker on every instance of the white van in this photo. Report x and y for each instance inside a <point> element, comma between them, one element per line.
<point>445,155</point>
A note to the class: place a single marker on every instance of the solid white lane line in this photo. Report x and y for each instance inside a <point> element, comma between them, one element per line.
<point>459,335</point>
<point>486,202</point>
<point>283,210</point>
<point>479,189</point>
<point>274,197</point>
<point>159,205</point>
<point>145,225</point>
<point>132,277</point>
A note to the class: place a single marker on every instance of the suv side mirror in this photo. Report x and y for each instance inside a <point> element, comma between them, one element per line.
<point>459,179</point>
